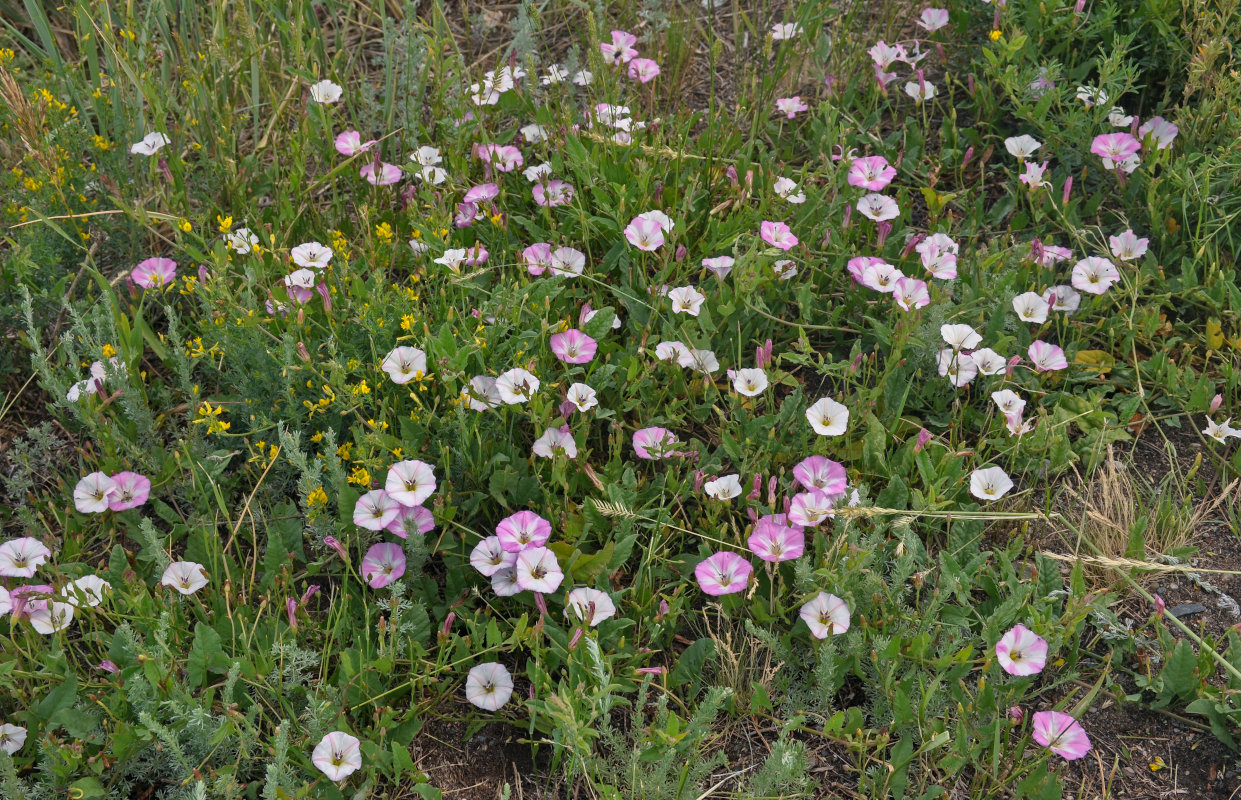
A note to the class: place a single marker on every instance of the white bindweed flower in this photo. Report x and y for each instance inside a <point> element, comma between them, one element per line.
<point>186,577</point>
<point>1031,307</point>
<point>489,686</point>
<point>404,364</point>
<point>748,382</point>
<point>91,494</point>
<point>1022,146</point>
<point>826,615</point>
<point>827,417</point>
<point>338,755</point>
<point>590,605</point>
<point>725,487</point>
<point>991,483</point>
<point>583,397</point>
<point>960,337</point>
<point>516,386</point>
<point>151,144</point>
<point>325,92</point>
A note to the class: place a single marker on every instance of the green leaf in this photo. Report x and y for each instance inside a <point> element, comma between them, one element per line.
<point>689,666</point>
<point>1178,675</point>
<point>58,699</point>
<point>206,644</point>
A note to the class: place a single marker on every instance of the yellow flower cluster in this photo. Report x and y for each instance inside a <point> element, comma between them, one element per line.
<point>210,416</point>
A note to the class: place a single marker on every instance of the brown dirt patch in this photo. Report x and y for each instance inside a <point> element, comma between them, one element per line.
<point>478,767</point>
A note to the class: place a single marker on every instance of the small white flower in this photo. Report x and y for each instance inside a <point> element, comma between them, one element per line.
<point>749,382</point>
<point>1031,307</point>
<point>960,337</point>
<point>827,417</point>
<point>151,144</point>
<point>686,300</point>
<point>991,483</point>
<point>516,386</point>
<point>1022,146</point>
<point>583,397</point>
<point>325,92</point>
<point>489,686</point>
<point>725,487</point>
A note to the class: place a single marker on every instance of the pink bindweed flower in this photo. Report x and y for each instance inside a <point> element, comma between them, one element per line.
<point>791,106</point>
<point>409,483</point>
<point>93,493</point>
<point>523,530</point>
<point>404,364</point>
<point>489,686</point>
<point>481,193</point>
<point>784,30</point>
<point>130,490</point>
<point>383,563</point>
<point>538,570</point>
<point>654,443</point>
<point>338,755</point>
<point>874,273</point>
<point>1159,131</point>
<point>1127,246</point>
<point>1033,175</point>
<point>381,173</point>
<point>643,70</point>
<point>374,510</point>
<point>350,143</point>
<point>872,173</point>
<point>924,438</point>
<point>821,474</point>
<point>826,615</point>
<point>885,55</point>
<point>723,573</point>
<point>554,192</point>
<point>621,49</point>
<point>749,382</point>
<point>877,207</point>
<point>504,158</point>
<point>720,266</point>
<point>556,441</point>
<point>775,540</point>
<point>489,557</point>
<point>939,255</point>
<point>932,19</point>
<point>411,519</point>
<point>1021,652</point>
<point>537,257</point>
<point>516,386</point>
<point>723,488</point>
<point>809,509</point>
<point>1094,275</point>
<point>1115,148</point>
<point>573,347</point>
<point>910,293</point>
<point>1063,298</point>
<point>777,234</point>
<point>1062,734</point>
<point>644,233</point>
<point>155,273</point>
<point>988,361</point>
